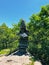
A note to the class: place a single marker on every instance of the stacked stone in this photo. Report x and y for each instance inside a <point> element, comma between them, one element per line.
<point>23,42</point>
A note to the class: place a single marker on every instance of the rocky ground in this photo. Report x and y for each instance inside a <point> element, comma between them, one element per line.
<point>17,59</point>
<point>14,60</point>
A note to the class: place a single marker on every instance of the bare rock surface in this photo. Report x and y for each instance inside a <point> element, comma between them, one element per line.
<point>37,63</point>
<point>15,60</point>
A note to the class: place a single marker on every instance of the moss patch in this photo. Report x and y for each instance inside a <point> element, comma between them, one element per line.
<point>4,51</point>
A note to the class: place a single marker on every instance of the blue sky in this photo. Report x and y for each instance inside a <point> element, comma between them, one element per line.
<point>13,10</point>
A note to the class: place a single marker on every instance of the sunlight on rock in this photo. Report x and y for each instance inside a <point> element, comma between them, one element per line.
<point>37,63</point>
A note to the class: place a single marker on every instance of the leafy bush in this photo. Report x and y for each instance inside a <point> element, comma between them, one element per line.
<point>39,35</point>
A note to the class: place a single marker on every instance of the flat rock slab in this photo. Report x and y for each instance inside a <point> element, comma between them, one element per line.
<point>15,60</point>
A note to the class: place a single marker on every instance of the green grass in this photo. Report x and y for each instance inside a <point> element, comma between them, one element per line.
<point>32,61</point>
<point>4,51</point>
